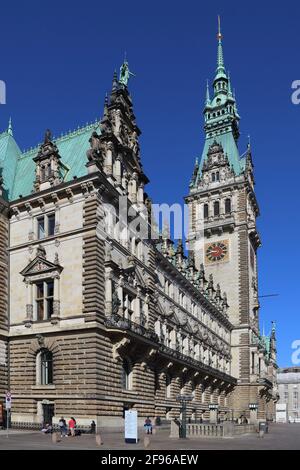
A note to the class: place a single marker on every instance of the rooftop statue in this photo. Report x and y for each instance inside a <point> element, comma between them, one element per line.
<point>125,73</point>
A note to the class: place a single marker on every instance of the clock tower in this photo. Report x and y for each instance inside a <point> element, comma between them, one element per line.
<point>223,237</point>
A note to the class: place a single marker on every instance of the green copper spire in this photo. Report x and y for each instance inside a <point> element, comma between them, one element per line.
<point>221,73</point>
<point>9,129</point>
<point>221,119</point>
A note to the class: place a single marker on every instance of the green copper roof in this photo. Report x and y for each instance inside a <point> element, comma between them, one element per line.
<point>9,154</point>
<point>18,169</point>
<point>221,118</point>
<point>230,148</point>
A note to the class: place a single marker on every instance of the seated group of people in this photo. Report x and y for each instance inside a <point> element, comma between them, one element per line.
<point>64,431</point>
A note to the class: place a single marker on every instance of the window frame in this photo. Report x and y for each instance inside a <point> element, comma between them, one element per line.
<point>46,300</point>
<point>45,222</point>
<point>127,375</point>
<point>44,373</point>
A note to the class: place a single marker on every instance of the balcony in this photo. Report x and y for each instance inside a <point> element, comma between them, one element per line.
<point>194,363</point>
<point>220,223</point>
<point>116,324</point>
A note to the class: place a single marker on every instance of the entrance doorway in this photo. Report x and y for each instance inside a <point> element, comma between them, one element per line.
<point>48,413</point>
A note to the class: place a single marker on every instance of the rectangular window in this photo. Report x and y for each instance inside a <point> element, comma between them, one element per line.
<point>40,301</point>
<point>44,300</point>
<point>45,226</point>
<point>41,227</point>
<point>51,224</point>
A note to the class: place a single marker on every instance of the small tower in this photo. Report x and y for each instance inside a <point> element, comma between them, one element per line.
<point>49,170</point>
<point>119,139</point>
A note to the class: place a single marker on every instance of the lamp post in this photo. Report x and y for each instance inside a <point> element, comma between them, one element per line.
<point>183,399</point>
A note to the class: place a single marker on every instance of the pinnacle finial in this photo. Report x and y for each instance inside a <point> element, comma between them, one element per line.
<point>115,81</point>
<point>207,99</point>
<point>9,129</point>
<point>219,29</point>
<point>220,59</point>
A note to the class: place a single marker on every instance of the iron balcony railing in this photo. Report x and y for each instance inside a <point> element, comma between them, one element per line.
<point>115,321</point>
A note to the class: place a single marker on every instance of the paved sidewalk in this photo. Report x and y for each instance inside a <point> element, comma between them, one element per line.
<point>281,436</point>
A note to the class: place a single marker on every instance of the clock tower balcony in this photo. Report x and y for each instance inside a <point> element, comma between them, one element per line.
<point>219,225</point>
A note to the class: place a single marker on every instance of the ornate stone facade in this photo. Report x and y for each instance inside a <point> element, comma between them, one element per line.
<point>103,321</point>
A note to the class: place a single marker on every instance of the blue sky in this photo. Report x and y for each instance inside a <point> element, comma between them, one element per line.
<point>58,60</point>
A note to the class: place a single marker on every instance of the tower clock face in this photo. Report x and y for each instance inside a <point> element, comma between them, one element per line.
<point>216,251</point>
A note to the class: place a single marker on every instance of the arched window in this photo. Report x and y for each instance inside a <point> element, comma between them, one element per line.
<point>126,375</point>
<point>217,176</point>
<point>205,211</point>
<point>216,208</point>
<point>213,177</point>
<point>227,206</point>
<point>44,367</point>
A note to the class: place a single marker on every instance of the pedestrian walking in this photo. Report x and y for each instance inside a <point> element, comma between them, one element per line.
<point>72,426</point>
<point>93,427</point>
<point>63,427</point>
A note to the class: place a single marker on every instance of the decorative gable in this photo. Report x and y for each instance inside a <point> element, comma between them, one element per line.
<point>40,267</point>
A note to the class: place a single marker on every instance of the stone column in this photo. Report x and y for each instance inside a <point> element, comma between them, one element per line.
<point>117,170</point>
<point>56,300</point>
<point>29,305</point>
<point>213,416</point>
<point>253,416</point>
<point>120,296</point>
<point>108,292</point>
<point>173,338</point>
<point>133,188</point>
<point>137,307</point>
<point>109,159</point>
<point>57,221</point>
<point>140,195</point>
<point>146,309</point>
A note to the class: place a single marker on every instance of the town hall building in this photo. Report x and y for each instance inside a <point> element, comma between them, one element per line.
<point>94,323</point>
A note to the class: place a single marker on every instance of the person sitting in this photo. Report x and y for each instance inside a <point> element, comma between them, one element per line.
<point>47,429</point>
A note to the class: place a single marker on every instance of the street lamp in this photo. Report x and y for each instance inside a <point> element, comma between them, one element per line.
<point>183,399</point>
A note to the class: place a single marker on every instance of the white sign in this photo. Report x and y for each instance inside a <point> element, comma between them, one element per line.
<point>8,401</point>
<point>281,413</point>
<point>131,426</point>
